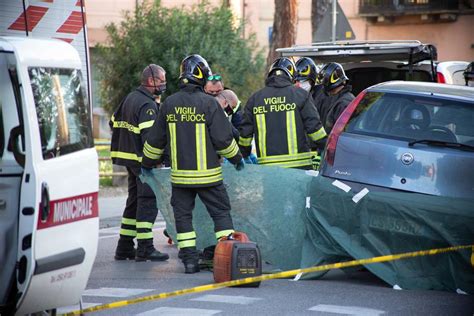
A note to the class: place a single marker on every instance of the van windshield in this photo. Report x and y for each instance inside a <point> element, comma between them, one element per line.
<point>411,117</point>
<point>62,110</point>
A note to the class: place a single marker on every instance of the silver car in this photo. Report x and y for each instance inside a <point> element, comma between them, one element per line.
<point>410,136</point>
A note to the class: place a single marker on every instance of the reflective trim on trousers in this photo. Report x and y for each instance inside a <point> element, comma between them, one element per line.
<point>128,232</point>
<point>223,233</point>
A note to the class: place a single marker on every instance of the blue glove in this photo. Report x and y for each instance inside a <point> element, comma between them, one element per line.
<point>147,172</point>
<point>253,158</point>
<point>240,165</point>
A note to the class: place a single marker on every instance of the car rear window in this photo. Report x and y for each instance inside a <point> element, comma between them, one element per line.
<point>412,117</point>
<point>362,78</point>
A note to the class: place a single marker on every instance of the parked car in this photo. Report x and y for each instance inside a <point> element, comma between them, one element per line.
<point>410,136</point>
<point>367,63</point>
<point>451,72</point>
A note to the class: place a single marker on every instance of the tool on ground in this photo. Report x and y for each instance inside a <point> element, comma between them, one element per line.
<point>236,257</point>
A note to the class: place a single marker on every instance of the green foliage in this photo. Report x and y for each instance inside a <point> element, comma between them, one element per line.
<point>154,34</point>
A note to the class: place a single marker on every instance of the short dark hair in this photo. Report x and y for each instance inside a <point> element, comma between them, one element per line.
<point>152,70</point>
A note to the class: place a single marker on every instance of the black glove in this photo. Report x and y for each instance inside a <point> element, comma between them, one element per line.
<point>240,165</point>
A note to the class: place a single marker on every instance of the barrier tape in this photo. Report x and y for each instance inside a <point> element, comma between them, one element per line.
<point>284,274</point>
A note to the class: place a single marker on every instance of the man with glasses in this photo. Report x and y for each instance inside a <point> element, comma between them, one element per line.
<point>130,125</point>
<point>214,85</point>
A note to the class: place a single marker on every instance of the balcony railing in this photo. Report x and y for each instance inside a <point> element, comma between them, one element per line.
<point>405,7</point>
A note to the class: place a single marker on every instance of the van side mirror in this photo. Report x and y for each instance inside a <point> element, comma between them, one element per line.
<point>14,145</point>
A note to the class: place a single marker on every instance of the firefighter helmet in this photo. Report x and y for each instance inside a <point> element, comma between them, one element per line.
<point>194,69</point>
<point>333,76</point>
<point>284,64</point>
<point>306,69</point>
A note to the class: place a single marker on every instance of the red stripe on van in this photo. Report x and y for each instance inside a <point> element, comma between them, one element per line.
<point>71,209</point>
<point>67,40</point>
<point>34,14</point>
<point>73,24</point>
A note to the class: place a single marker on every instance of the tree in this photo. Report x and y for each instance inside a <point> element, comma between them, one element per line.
<point>318,9</point>
<point>154,34</point>
<point>284,27</point>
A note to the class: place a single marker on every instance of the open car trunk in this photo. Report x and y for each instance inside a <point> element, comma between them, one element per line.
<point>371,62</point>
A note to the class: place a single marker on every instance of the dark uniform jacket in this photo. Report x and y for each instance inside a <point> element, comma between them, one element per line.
<point>281,116</point>
<point>197,131</point>
<point>330,107</point>
<point>130,124</point>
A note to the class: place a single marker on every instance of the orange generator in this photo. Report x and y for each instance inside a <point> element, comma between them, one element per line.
<point>236,257</point>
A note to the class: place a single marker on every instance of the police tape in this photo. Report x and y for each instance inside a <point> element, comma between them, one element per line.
<point>279,275</point>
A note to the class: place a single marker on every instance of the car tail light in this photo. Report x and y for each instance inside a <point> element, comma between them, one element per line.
<point>339,127</point>
<point>440,77</point>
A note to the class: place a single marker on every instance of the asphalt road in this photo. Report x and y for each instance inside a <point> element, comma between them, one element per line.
<point>358,293</point>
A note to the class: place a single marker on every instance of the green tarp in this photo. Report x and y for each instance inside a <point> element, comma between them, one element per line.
<point>299,220</point>
<point>267,204</point>
<point>383,223</point>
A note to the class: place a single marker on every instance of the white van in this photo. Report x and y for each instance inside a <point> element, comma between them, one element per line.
<point>48,177</point>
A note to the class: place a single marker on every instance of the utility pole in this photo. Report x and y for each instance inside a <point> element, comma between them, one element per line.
<point>334,19</point>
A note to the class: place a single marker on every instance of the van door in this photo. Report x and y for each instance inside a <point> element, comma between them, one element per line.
<point>10,179</point>
<point>58,221</point>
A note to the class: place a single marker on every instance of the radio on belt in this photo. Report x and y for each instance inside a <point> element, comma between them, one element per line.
<point>236,257</point>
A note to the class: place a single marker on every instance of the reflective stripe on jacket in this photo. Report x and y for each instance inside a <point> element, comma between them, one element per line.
<point>281,117</point>
<point>130,124</point>
<point>198,132</point>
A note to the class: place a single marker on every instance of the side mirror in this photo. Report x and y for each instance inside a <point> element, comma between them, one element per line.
<point>14,145</point>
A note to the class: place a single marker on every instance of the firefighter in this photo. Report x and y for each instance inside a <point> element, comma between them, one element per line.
<point>282,117</point>
<point>130,125</point>
<point>197,131</point>
<point>307,77</point>
<point>469,75</point>
<point>337,94</point>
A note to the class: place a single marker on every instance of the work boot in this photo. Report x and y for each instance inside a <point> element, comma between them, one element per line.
<point>125,249</point>
<point>153,255</point>
<point>146,251</point>
<point>190,258</point>
<point>125,254</point>
<point>191,267</point>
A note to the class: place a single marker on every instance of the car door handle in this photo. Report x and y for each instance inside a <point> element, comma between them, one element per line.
<point>44,203</point>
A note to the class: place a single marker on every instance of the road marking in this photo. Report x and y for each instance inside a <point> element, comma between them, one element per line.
<point>346,310</point>
<point>230,299</point>
<point>115,292</point>
<point>68,309</point>
<point>113,232</point>
<point>174,311</point>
